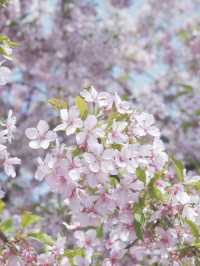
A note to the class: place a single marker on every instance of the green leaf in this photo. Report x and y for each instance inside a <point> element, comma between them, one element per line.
<point>28,218</point>
<point>194,229</point>
<point>138,222</point>
<point>179,169</point>
<point>6,41</point>
<point>183,35</point>
<point>196,185</point>
<point>6,226</point>
<point>2,206</point>
<point>141,175</point>
<point>116,116</point>
<point>99,232</point>
<point>186,90</point>
<point>196,244</point>
<point>116,146</point>
<point>71,253</point>
<point>82,106</point>
<point>114,180</point>
<point>138,217</point>
<point>57,103</point>
<point>3,2</point>
<point>76,152</point>
<point>153,190</point>
<point>138,229</point>
<point>41,237</point>
<point>197,112</point>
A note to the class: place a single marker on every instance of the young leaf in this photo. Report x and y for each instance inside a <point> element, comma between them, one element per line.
<point>197,112</point>
<point>114,180</point>
<point>141,175</point>
<point>194,229</point>
<point>3,2</point>
<point>153,190</point>
<point>186,90</point>
<point>82,106</point>
<point>138,217</point>
<point>28,218</point>
<point>57,103</point>
<point>71,253</point>
<point>41,237</point>
<point>2,206</point>
<point>179,169</point>
<point>6,226</point>
<point>99,231</point>
<point>138,229</point>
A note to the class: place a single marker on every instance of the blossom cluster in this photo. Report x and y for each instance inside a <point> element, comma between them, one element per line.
<point>7,131</point>
<point>126,204</point>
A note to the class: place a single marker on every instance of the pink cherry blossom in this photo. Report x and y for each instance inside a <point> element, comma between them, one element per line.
<point>123,107</point>
<point>105,100</point>
<point>41,136</point>
<point>70,121</point>
<point>90,131</point>
<point>10,125</point>
<point>117,135</point>
<point>145,125</point>
<point>87,240</point>
<point>89,95</point>
<point>9,163</point>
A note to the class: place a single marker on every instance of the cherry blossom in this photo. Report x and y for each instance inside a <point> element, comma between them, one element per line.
<point>9,163</point>
<point>117,136</point>
<point>144,125</point>
<point>40,136</point>
<point>90,131</point>
<point>104,176</point>
<point>70,121</point>
<point>90,96</point>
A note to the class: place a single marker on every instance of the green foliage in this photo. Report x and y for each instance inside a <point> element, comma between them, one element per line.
<point>114,180</point>
<point>28,219</point>
<point>41,237</point>
<point>116,146</point>
<point>72,253</point>
<point>6,226</point>
<point>6,43</point>
<point>138,217</point>
<point>4,2</point>
<point>186,90</point>
<point>76,152</point>
<point>82,106</point>
<point>2,206</point>
<point>154,192</point>
<point>195,185</point>
<point>183,35</point>
<point>197,112</point>
<point>194,229</point>
<point>141,175</point>
<point>179,169</point>
<point>117,117</point>
<point>99,232</point>
<point>57,103</point>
